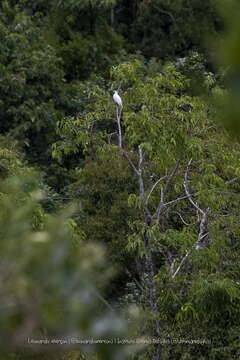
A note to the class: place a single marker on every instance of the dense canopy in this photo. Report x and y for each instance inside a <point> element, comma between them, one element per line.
<point>119,226</point>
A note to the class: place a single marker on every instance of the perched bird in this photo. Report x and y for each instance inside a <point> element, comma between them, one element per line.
<point>117,99</point>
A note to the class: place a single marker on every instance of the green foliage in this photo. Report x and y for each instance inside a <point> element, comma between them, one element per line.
<point>87,46</point>
<point>228,57</point>
<point>59,63</point>
<point>218,297</point>
<point>171,125</point>
<point>77,4</point>
<point>31,83</point>
<point>84,55</point>
<point>51,278</point>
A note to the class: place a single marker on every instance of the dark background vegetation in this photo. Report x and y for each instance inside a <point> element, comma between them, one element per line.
<point>82,253</point>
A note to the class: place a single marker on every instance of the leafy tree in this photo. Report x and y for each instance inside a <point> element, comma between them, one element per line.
<point>149,182</point>
<point>80,32</point>
<point>181,191</point>
<point>31,83</point>
<point>34,93</point>
<point>52,278</point>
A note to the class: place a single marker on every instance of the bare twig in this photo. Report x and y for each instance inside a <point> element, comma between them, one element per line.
<point>236,179</point>
<point>109,136</point>
<point>178,199</point>
<point>141,158</point>
<point>125,154</point>
<point>154,185</point>
<point>138,172</point>
<point>203,226</point>
<point>222,215</point>
<point>184,222</point>
<point>171,176</point>
<point>187,189</point>
<point>181,264</point>
<point>164,190</point>
<point>161,197</point>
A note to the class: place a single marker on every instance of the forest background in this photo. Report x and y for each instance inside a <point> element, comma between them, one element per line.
<point>120,225</point>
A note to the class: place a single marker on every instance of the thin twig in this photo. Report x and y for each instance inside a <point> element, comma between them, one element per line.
<point>154,185</point>
<point>125,154</point>
<point>232,180</point>
<point>181,263</point>
<point>109,136</point>
<point>187,189</point>
<point>185,223</point>
<point>171,176</point>
<point>164,191</point>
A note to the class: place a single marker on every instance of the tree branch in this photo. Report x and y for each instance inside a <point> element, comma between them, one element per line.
<point>181,264</point>
<point>119,112</point>
<point>164,191</point>
<point>153,187</point>
<point>236,179</point>
<point>203,226</point>
<point>109,136</point>
<point>171,176</point>
<point>184,222</point>
<point>186,188</point>
<point>125,154</point>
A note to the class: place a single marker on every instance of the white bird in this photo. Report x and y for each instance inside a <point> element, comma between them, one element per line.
<point>117,99</point>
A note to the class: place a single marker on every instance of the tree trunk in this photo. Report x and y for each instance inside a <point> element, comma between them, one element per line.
<point>152,293</point>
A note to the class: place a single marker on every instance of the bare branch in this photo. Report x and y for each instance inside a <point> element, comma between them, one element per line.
<point>154,185</point>
<point>236,179</point>
<point>141,158</point>
<point>162,194</point>
<point>178,199</point>
<point>138,172</point>
<point>164,191</point>
<point>119,112</point>
<point>162,204</point>
<point>184,222</point>
<point>125,154</point>
<point>204,218</point>
<point>109,136</point>
<point>171,176</point>
<point>186,188</point>
<point>201,237</point>
<point>222,215</point>
<point>181,264</point>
